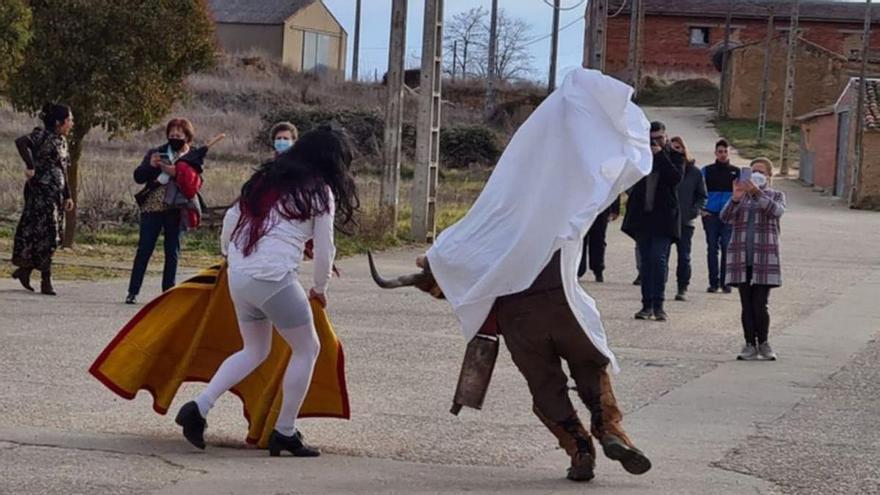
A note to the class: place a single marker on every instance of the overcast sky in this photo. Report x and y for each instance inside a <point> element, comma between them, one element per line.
<point>376,20</point>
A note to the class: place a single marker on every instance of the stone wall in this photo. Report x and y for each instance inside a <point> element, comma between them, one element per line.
<point>820,77</point>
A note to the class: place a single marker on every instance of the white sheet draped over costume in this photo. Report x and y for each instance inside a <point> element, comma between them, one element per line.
<point>584,145</point>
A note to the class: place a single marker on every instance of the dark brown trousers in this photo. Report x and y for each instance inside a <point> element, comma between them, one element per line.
<point>540,331</point>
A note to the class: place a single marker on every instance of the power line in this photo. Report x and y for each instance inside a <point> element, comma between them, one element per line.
<point>565,8</point>
<point>563,28</point>
<point>622,5</point>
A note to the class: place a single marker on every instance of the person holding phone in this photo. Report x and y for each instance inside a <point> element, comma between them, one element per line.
<point>653,220</point>
<point>753,263</point>
<point>719,177</point>
<point>155,172</point>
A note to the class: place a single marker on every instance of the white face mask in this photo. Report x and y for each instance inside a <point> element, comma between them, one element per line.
<point>759,179</point>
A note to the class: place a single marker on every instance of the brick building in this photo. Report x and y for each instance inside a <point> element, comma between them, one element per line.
<point>680,37</point>
<point>828,146</point>
<point>818,148</point>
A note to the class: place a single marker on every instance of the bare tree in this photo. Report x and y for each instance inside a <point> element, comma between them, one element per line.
<point>512,57</point>
<point>470,29</point>
<point>467,29</point>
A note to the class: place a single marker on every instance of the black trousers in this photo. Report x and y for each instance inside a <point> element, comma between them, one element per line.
<point>594,246</point>
<point>755,311</point>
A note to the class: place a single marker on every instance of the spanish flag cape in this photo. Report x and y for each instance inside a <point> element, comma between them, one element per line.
<point>187,332</point>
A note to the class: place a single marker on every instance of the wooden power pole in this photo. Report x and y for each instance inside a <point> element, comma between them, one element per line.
<point>424,191</point>
<point>765,81</point>
<point>725,70</point>
<point>594,35</point>
<point>454,58</point>
<point>634,58</point>
<point>355,61</point>
<point>490,72</point>
<point>554,49</point>
<point>788,109</point>
<point>860,109</point>
<point>390,189</point>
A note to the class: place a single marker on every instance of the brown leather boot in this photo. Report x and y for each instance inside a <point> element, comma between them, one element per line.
<point>23,275</point>
<point>576,441</point>
<point>46,283</point>
<point>606,426</point>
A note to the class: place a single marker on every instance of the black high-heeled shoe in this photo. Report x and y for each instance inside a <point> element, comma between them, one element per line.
<point>292,444</point>
<point>24,278</point>
<point>193,424</point>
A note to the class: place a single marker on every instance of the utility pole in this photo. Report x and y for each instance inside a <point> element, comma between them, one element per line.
<point>464,61</point>
<point>594,35</point>
<point>725,70</point>
<point>424,191</point>
<point>788,109</point>
<point>860,108</point>
<point>357,41</point>
<point>454,58</point>
<point>390,189</point>
<point>554,48</point>
<point>634,59</point>
<point>493,46</point>
<point>765,81</point>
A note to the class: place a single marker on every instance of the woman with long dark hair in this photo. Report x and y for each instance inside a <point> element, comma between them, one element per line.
<point>46,196</point>
<point>294,198</point>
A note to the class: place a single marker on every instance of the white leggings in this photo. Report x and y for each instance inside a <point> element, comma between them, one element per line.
<point>259,303</point>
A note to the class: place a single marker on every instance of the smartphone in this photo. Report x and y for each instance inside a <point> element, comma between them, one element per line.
<point>745,174</point>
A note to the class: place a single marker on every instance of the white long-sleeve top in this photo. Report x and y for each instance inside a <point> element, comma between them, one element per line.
<point>280,250</point>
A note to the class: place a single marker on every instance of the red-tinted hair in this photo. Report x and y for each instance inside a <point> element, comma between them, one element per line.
<point>184,125</point>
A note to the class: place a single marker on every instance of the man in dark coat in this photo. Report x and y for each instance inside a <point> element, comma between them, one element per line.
<point>653,219</point>
<point>691,201</point>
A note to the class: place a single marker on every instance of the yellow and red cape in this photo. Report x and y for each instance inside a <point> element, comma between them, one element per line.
<point>187,332</point>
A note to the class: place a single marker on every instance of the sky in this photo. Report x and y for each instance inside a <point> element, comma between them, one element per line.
<point>376,20</point>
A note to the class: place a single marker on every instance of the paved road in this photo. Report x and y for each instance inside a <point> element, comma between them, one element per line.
<point>711,424</point>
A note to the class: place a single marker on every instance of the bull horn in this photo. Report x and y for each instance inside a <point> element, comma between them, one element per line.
<point>402,281</point>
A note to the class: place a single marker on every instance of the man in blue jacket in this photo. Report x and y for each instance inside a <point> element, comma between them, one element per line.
<point>719,176</point>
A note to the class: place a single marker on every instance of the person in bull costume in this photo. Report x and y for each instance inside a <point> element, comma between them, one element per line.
<point>510,265</point>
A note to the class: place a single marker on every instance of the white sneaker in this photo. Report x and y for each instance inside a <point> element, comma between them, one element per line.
<point>766,351</point>
<point>748,353</point>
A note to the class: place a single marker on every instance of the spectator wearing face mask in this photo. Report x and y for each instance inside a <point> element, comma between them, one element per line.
<point>753,264</point>
<point>155,172</point>
<point>283,135</point>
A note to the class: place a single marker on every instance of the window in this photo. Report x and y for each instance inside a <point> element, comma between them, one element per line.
<point>317,53</point>
<point>699,36</point>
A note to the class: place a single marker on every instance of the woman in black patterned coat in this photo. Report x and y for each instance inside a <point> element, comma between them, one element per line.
<point>46,196</point>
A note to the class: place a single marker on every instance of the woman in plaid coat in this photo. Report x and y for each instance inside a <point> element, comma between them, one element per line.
<point>753,253</point>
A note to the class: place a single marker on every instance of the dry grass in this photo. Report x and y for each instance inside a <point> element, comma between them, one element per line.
<point>231,99</point>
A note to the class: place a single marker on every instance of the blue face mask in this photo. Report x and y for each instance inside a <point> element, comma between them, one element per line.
<point>282,145</point>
